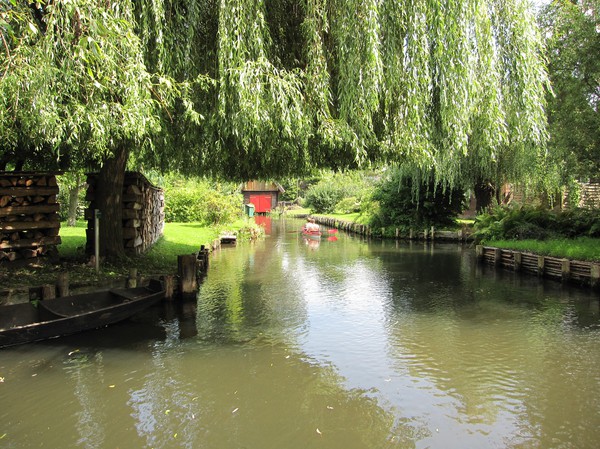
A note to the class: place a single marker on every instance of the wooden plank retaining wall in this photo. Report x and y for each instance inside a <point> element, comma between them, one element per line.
<point>430,234</point>
<point>581,272</point>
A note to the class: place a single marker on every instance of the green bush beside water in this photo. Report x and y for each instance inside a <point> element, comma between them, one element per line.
<point>523,223</point>
<point>572,234</point>
<point>202,201</point>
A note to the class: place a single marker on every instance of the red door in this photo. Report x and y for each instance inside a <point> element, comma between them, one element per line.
<point>262,203</point>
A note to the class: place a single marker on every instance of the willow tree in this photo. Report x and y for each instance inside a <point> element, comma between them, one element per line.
<point>453,86</point>
<point>277,87</point>
<point>74,87</point>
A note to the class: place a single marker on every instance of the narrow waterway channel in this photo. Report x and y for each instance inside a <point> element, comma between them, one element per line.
<point>338,343</point>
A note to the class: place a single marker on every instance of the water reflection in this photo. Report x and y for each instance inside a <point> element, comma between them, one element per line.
<point>359,344</point>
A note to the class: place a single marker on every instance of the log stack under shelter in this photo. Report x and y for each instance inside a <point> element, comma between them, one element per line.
<point>143,213</point>
<point>29,219</point>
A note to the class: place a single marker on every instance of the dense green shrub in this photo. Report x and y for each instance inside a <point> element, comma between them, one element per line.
<point>520,223</point>
<point>323,197</point>
<point>403,205</point>
<point>198,200</point>
<point>349,188</point>
<point>348,205</point>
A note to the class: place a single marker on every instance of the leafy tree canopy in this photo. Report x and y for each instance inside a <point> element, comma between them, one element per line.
<point>572,30</point>
<point>276,87</point>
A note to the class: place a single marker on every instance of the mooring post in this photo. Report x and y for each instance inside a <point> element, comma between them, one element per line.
<point>188,284</point>
<point>62,284</point>
<point>169,285</point>
<point>132,279</point>
<point>479,252</point>
<point>566,270</point>
<point>497,257</point>
<point>595,275</point>
<point>518,260</point>
<point>541,265</point>
<point>97,239</point>
<point>48,291</point>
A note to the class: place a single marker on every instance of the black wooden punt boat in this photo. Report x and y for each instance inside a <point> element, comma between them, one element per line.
<point>27,322</point>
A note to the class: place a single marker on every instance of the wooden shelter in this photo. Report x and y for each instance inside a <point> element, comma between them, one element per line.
<point>263,194</point>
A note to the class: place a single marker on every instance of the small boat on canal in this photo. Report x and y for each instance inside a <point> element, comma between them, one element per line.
<point>311,233</point>
<point>41,320</point>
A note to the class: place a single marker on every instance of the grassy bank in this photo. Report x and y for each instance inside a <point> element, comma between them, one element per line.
<point>177,239</point>
<point>582,248</point>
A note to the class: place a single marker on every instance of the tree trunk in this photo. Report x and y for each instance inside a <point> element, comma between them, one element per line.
<point>74,201</point>
<point>109,200</point>
<point>484,194</point>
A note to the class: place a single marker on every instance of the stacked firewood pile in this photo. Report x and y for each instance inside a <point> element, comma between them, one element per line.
<point>29,220</point>
<point>143,213</point>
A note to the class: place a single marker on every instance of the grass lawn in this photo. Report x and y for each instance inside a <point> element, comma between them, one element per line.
<point>177,239</point>
<point>582,248</point>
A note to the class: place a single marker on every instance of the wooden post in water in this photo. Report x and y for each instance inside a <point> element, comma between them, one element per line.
<point>518,260</point>
<point>595,275</point>
<point>566,270</point>
<point>48,291</point>
<point>62,284</point>
<point>188,284</point>
<point>169,285</point>
<point>541,263</point>
<point>497,257</point>
<point>132,279</point>
<point>479,251</point>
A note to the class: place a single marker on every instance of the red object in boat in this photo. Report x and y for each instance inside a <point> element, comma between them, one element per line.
<point>313,234</point>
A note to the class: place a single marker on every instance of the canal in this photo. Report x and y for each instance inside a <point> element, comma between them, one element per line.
<point>339,343</point>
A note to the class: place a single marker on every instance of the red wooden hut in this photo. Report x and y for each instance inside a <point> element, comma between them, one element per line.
<point>263,194</point>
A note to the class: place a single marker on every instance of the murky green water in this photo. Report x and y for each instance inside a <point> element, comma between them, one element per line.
<point>344,344</point>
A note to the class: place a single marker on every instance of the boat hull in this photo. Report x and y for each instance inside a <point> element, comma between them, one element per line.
<point>25,323</point>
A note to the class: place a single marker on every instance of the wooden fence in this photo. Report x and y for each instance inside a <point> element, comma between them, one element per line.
<point>29,220</point>
<point>587,273</point>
